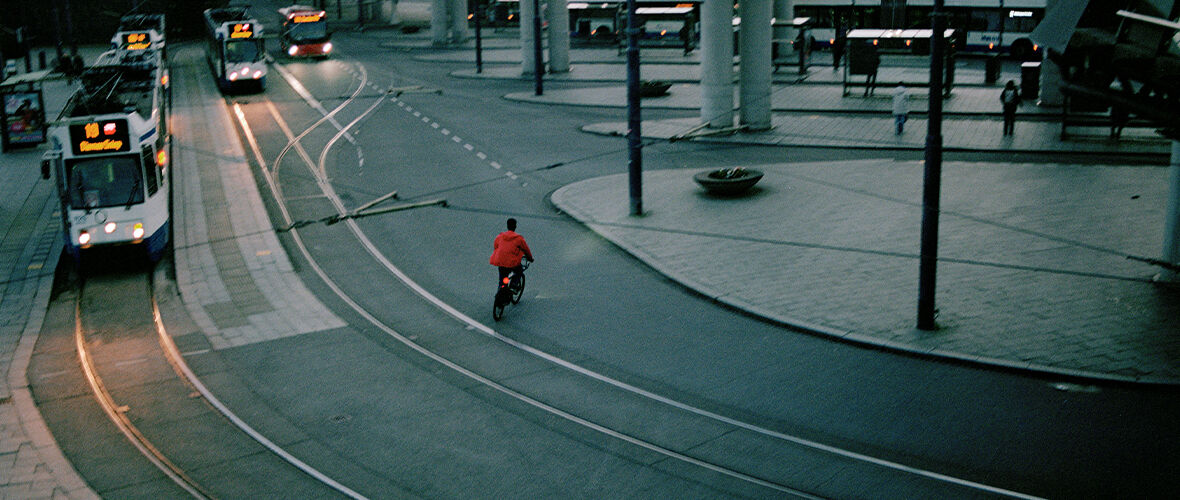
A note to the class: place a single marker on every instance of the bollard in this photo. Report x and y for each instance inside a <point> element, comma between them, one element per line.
<point>41,59</point>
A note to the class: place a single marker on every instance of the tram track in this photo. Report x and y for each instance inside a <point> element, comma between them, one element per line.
<point>123,343</point>
<point>318,172</point>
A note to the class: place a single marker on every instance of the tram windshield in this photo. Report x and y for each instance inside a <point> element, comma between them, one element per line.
<point>304,32</point>
<point>243,50</point>
<point>108,181</point>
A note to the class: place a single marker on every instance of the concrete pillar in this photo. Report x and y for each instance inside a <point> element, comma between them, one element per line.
<point>439,25</point>
<point>559,36</point>
<point>389,12</point>
<point>783,13</point>
<point>459,31</point>
<point>717,63</point>
<point>756,67</point>
<point>527,59</point>
<point>1172,214</point>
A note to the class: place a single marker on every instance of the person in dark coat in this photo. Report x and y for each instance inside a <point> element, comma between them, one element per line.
<point>1010,99</point>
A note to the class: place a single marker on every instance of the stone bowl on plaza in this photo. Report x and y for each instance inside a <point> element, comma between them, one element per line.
<point>728,181</point>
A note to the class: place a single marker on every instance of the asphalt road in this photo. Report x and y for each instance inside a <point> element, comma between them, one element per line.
<point>608,380</point>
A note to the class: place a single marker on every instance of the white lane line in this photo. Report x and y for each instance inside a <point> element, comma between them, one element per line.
<point>476,325</point>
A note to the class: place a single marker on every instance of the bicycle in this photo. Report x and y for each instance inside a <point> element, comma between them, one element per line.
<point>511,289</point>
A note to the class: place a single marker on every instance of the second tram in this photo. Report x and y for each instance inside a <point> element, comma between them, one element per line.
<point>235,51</point>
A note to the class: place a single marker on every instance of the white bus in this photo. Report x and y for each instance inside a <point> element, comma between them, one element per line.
<point>997,26</point>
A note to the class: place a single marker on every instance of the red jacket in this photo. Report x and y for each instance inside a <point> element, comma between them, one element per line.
<point>508,248</point>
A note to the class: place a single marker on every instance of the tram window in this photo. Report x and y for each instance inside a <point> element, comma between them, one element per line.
<point>105,182</point>
<point>151,170</point>
<point>243,51</point>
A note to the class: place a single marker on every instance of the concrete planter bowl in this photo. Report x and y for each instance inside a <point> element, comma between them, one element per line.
<point>653,88</point>
<point>728,181</point>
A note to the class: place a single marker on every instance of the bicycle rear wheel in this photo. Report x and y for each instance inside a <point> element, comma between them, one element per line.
<point>518,292</point>
<point>497,310</point>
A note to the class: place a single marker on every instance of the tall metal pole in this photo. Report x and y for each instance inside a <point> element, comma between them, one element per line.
<point>932,183</point>
<point>479,8</point>
<point>635,165</point>
<point>538,63</point>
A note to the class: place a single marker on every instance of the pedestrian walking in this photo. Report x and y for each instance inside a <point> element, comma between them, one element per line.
<point>1010,99</point>
<point>838,45</point>
<point>901,107</point>
<point>874,63</point>
<point>686,34</point>
<point>1118,120</point>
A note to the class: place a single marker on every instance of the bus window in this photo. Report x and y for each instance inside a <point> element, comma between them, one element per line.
<point>105,182</point>
<point>300,32</point>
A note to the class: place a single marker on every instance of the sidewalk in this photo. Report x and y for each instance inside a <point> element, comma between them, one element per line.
<point>31,465</point>
<point>1034,271</point>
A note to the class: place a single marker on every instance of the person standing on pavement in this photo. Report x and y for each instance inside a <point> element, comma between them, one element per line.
<point>901,107</point>
<point>1010,99</point>
<point>838,45</point>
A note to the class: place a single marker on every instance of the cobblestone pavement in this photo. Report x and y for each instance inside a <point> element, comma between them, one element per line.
<point>1033,268</point>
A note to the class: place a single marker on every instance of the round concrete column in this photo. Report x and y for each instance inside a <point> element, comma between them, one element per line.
<point>527,59</point>
<point>459,31</point>
<point>559,36</point>
<point>756,67</point>
<point>439,24</point>
<point>717,63</point>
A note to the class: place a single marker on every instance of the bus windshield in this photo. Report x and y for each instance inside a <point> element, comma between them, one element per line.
<point>108,181</point>
<point>243,50</point>
<point>305,32</point>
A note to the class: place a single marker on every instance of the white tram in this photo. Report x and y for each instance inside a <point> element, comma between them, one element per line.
<point>236,51</point>
<point>110,150</point>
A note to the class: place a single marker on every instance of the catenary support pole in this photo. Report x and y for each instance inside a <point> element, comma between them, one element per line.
<point>932,183</point>
<point>635,165</point>
<point>538,59</point>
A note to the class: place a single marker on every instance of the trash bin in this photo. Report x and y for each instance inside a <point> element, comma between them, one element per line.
<point>991,69</point>
<point>1030,80</point>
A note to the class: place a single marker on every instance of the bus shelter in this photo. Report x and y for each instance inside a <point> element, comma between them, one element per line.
<point>23,114</point>
<point>866,46</point>
<point>791,45</point>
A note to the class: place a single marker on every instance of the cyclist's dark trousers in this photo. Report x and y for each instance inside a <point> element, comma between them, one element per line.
<point>505,271</point>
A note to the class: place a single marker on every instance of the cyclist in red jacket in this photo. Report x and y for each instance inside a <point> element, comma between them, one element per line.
<point>508,249</point>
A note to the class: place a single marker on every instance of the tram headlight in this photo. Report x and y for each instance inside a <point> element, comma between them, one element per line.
<point>257,74</point>
<point>110,227</point>
<point>233,77</point>
<point>84,238</point>
<point>137,230</point>
<point>293,50</point>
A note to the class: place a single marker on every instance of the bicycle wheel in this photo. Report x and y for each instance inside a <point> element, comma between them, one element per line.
<point>518,292</point>
<point>497,309</point>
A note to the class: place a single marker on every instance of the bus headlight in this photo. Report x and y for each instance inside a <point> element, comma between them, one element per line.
<point>137,230</point>
<point>293,50</point>
<point>327,47</point>
<point>110,227</point>
<point>233,76</point>
<point>84,238</point>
